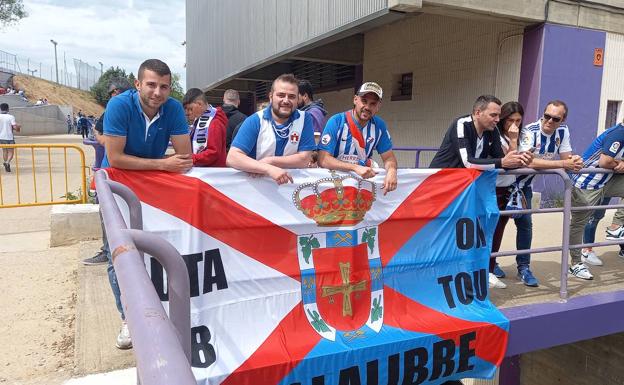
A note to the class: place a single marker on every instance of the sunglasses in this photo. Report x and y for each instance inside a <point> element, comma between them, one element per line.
<point>555,119</point>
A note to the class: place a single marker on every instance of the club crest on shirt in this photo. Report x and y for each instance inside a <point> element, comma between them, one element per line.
<point>526,140</point>
<point>294,137</point>
<point>615,146</point>
<point>326,139</point>
<point>558,141</point>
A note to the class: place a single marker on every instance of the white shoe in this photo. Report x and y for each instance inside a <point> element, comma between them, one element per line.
<point>579,270</point>
<point>495,283</point>
<point>591,258</point>
<point>615,235</point>
<point>123,339</point>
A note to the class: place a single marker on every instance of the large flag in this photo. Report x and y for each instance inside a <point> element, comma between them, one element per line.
<point>329,281</point>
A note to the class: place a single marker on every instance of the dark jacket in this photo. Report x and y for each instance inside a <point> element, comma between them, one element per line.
<point>235,118</point>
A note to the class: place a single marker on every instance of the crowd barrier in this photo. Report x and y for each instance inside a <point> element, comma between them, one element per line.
<point>161,359</point>
<point>40,163</point>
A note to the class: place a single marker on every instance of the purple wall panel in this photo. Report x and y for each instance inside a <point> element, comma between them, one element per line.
<point>557,63</point>
<point>530,71</point>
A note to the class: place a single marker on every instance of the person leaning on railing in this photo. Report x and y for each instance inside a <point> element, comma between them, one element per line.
<point>590,189</point>
<point>546,138</point>
<point>473,141</point>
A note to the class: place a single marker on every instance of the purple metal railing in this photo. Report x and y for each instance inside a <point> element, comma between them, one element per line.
<point>162,345</point>
<point>566,210</point>
<point>418,151</point>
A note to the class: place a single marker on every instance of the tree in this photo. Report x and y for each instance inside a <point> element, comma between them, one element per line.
<point>11,11</point>
<point>100,89</point>
<point>177,92</point>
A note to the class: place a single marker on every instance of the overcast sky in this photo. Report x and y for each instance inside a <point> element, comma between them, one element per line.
<point>115,32</point>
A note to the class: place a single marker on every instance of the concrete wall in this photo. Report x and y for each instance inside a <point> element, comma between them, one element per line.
<point>337,101</point>
<point>591,362</point>
<point>40,120</point>
<point>14,101</point>
<point>452,60</point>
<point>612,78</point>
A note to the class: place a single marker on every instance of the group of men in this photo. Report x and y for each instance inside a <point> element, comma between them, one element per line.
<point>139,124</point>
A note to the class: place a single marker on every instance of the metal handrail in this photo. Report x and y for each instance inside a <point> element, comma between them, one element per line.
<point>418,151</point>
<point>162,345</point>
<point>52,201</point>
<point>566,210</point>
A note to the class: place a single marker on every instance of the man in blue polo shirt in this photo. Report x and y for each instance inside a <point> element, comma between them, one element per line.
<point>275,138</point>
<point>606,151</point>
<point>349,138</point>
<point>138,125</point>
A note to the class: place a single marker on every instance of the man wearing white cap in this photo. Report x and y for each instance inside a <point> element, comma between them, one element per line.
<point>349,138</point>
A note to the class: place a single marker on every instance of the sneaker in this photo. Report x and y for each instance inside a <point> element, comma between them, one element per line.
<point>7,167</point>
<point>616,234</point>
<point>498,272</point>
<point>123,339</point>
<point>591,258</point>
<point>98,259</point>
<point>526,276</point>
<point>495,283</point>
<point>579,270</point>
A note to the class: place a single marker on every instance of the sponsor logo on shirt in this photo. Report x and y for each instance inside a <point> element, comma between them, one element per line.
<point>615,146</point>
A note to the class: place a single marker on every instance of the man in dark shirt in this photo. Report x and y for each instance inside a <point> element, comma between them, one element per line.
<point>473,141</point>
<point>231,101</point>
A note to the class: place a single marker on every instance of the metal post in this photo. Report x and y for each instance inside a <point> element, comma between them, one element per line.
<point>101,68</point>
<point>55,58</point>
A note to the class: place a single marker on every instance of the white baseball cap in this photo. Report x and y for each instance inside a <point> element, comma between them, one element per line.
<point>370,87</point>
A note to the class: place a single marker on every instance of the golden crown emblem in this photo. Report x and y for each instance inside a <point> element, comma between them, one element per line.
<point>343,203</point>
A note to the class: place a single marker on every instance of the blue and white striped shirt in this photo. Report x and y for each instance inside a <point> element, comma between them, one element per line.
<point>546,146</point>
<point>337,140</point>
<point>611,143</point>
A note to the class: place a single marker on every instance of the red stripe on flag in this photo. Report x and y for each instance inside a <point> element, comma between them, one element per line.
<point>279,354</point>
<point>425,203</point>
<point>207,209</point>
<point>405,313</point>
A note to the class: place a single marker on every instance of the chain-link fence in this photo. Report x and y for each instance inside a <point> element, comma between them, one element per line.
<point>83,77</point>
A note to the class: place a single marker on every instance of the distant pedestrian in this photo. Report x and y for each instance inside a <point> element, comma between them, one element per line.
<point>7,126</point>
<point>70,124</point>
<point>84,125</point>
<point>316,108</point>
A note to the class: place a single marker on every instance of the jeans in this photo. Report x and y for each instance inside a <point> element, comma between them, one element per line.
<point>112,277</point>
<point>589,234</point>
<point>524,226</point>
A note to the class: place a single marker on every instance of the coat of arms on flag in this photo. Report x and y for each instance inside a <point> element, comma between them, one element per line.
<point>325,281</point>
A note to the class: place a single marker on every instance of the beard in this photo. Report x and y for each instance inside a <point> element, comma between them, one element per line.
<point>279,114</point>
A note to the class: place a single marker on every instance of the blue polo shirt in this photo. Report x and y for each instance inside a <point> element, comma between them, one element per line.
<point>124,117</point>
<point>247,136</point>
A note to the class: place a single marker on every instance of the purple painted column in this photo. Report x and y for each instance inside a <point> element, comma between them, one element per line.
<point>557,63</point>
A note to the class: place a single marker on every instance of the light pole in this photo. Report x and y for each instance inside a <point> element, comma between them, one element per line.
<point>55,59</point>
<point>101,68</point>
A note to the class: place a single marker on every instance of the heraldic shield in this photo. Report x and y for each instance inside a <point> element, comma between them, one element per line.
<point>341,282</point>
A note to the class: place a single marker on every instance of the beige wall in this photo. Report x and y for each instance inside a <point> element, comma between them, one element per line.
<point>612,77</point>
<point>452,60</point>
<point>336,101</point>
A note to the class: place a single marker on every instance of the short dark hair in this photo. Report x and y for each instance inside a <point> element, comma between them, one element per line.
<point>558,103</point>
<point>305,88</point>
<point>158,66</point>
<point>4,107</point>
<point>192,95</point>
<point>286,78</point>
<point>483,101</point>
